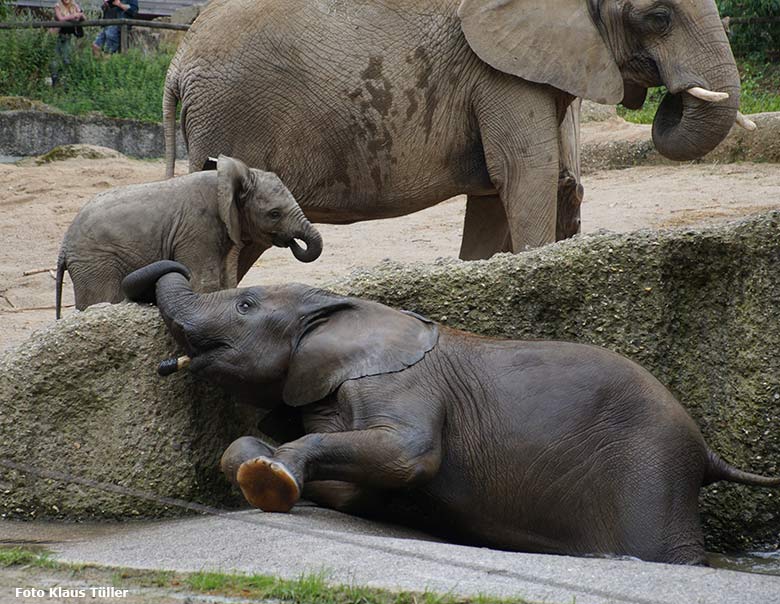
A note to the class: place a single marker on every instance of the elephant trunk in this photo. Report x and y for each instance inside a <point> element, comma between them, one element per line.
<point>691,122</point>
<point>139,286</point>
<point>179,305</point>
<point>309,235</point>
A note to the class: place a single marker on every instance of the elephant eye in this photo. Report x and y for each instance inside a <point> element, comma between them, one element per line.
<point>659,20</point>
<point>244,306</point>
<point>275,214</point>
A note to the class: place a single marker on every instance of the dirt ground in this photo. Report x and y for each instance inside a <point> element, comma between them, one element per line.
<point>37,203</point>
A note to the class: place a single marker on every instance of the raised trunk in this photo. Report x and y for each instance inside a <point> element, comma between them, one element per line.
<point>685,127</point>
<point>139,286</point>
<point>178,304</point>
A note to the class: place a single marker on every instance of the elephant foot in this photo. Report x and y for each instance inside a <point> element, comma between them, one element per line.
<point>268,485</point>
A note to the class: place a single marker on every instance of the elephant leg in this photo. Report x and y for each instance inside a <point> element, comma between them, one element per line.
<point>248,256</point>
<point>342,496</point>
<point>570,190</point>
<point>345,497</point>
<point>374,458</point>
<point>485,229</point>
<point>239,451</point>
<point>518,122</point>
<point>94,287</point>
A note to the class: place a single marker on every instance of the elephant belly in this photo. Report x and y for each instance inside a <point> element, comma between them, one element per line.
<point>482,512</point>
<point>368,131</point>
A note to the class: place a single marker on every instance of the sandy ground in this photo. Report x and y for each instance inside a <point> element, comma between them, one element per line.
<point>37,203</point>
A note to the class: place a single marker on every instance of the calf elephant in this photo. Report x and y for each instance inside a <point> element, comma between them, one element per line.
<point>371,109</point>
<point>533,446</point>
<point>203,219</point>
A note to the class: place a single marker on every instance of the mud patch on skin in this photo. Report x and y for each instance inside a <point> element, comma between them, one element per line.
<point>426,88</point>
<point>413,105</point>
<point>378,86</point>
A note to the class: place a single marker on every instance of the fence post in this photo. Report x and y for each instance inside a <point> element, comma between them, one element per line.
<point>123,38</point>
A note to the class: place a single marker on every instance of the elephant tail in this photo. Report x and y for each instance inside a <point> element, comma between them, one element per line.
<point>62,266</point>
<point>170,101</point>
<point>720,470</point>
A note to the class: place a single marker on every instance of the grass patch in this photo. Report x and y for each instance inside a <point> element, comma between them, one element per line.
<point>21,556</point>
<point>308,589</point>
<point>126,85</point>
<point>760,93</point>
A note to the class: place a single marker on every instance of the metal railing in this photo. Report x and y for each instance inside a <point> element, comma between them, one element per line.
<point>124,26</point>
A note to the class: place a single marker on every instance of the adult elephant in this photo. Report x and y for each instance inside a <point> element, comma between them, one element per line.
<point>373,109</point>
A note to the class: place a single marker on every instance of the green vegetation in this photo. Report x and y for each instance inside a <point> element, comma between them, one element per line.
<point>759,40</point>
<point>19,556</point>
<point>309,589</point>
<point>121,85</point>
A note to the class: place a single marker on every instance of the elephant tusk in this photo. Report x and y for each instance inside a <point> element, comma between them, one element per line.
<point>708,95</point>
<point>170,366</point>
<point>745,122</point>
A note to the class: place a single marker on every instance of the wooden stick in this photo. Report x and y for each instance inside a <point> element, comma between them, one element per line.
<point>37,271</point>
<point>7,299</point>
<point>171,366</point>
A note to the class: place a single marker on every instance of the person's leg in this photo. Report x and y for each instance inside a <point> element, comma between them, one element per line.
<point>112,38</point>
<point>59,58</point>
<point>100,40</point>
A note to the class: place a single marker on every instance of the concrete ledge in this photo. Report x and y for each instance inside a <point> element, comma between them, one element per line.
<point>82,397</point>
<point>27,132</point>
<point>347,550</point>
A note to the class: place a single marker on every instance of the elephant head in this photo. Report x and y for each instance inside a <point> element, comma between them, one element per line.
<point>290,342</point>
<point>253,204</point>
<point>611,51</point>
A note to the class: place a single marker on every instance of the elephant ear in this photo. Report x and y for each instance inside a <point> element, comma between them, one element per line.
<point>551,42</point>
<point>345,339</point>
<point>233,182</point>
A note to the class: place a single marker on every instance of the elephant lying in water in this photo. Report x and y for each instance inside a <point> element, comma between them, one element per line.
<point>533,446</point>
<point>203,220</point>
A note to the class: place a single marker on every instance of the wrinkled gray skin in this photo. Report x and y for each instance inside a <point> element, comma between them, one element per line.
<point>373,109</point>
<point>203,220</point>
<point>534,446</point>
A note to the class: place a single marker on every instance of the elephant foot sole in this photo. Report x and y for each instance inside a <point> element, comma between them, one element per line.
<point>268,485</point>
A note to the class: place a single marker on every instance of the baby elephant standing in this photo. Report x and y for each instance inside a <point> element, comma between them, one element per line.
<point>202,220</point>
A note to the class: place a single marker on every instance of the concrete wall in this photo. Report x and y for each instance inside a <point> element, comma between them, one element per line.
<point>36,132</point>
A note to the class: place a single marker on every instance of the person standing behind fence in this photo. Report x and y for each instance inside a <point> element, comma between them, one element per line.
<point>108,39</point>
<point>65,11</point>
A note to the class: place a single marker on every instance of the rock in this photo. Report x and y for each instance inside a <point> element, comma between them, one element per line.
<point>16,103</point>
<point>699,308</point>
<point>82,398</point>
<point>64,152</point>
<point>596,112</point>
<point>187,14</point>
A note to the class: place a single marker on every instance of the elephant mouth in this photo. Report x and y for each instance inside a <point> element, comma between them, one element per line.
<point>634,96</point>
<point>194,362</point>
<point>280,241</point>
<point>200,352</point>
